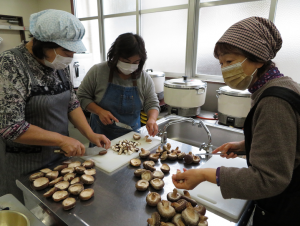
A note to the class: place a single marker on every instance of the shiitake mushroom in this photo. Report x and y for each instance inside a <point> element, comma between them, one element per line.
<point>69,203</point>
<point>75,189</point>
<point>203,221</point>
<point>186,195</point>
<point>91,172</point>
<point>40,183</point>
<point>74,164</point>
<point>154,220</point>
<point>188,158</point>
<point>69,176</point>
<point>147,175</point>
<point>53,182</point>
<point>154,156</point>
<point>164,156</point>
<point>172,156</point>
<point>180,205</point>
<point>136,136</point>
<point>173,196</point>
<point>67,170</point>
<point>166,224</point>
<point>135,162</point>
<point>52,175</point>
<point>165,209</point>
<point>190,216</point>
<point>46,170</point>
<point>86,194</point>
<point>196,159</point>
<point>158,174</point>
<point>180,156</point>
<point>63,185</point>
<point>88,164</point>
<point>142,185</point>
<point>177,220</point>
<point>200,209</point>
<point>87,179</point>
<point>153,198</point>
<point>138,172</point>
<point>157,183</point>
<point>167,147</point>
<point>159,150</point>
<point>60,167</point>
<point>50,192</point>
<point>80,169</point>
<point>146,163</point>
<point>165,168</point>
<point>36,176</point>
<point>144,154</point>
<point>60,195</point>
<point>76,180</point>
<point>149,166</point>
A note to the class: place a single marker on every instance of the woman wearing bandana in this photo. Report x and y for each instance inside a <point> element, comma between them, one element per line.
<point>272,139</point>
<point>117,90</point>
<point>37,100</point>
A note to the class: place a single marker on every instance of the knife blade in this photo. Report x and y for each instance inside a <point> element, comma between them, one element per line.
<point>88,151</point>
<point>229,152</point>
<point>122,125</point>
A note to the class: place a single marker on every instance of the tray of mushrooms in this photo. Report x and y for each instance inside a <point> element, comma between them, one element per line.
<point>66,182</point>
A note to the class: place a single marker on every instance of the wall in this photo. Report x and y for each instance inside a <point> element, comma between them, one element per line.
<point>64,5</point>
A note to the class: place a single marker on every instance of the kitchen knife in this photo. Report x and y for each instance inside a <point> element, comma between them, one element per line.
<point>229,152</point>
<point>88,151</point>
<point>122,125</point>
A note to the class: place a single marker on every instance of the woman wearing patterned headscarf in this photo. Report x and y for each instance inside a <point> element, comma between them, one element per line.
<point>272,139</point>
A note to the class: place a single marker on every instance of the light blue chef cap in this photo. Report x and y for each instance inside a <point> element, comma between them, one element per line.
<point>58,26</point>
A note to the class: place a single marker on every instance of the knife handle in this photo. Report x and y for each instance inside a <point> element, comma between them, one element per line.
<point>236,152</point>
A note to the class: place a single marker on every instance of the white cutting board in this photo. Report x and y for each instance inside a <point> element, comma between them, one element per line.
<point>112,161</point>
<point>209,194</point>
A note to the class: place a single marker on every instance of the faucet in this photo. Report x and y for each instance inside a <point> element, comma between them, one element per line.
<point>179,119</point>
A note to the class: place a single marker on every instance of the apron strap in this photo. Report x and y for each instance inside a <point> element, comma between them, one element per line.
<point>133,77</point>
<point>62,75</point>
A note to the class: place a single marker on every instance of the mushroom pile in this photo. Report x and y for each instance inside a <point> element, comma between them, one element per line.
<point>178,210</point>
<point>126,147</point>
<point>66,179</point>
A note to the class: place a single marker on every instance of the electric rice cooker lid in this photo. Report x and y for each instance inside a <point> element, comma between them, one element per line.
<point>185,83</point>
<point>155,74</point>
<point>233,92</point>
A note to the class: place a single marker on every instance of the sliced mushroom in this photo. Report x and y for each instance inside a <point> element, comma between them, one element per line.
<point>186,195</point>
<point>136,136</point>
<point>159,150</point>
<point>50,192</point>
<point>36,176</point>
<point>63,185</point>
<point>86,194</point>
<point>153,198</point>
<point>69,203</point>
<point>60,195</point>
<point>203,221</point>
<point>167,147</point>
<point>200,209</point>
<point>104,152</point>
<point>165,209</point>
<point>157,183</point>
<point>180,156</point>
<point>52,175</point>
<point>180,205</point>
<point>173,196</point>
<point>154,220</point>
<point>60,167</point>
<point>188,158</point>
<point>166,224</point>
<point>158,174</point>
<point>76,189</point>
<point>144,154</point>
<point>40,183</point>
<point>138,172</point>
<point>67,162</point>
<point>88,164</point>
<point>142,185</point>
<point>80,169</point>
<point>46,170</point>
<point>165,168</point>
<point>177,220</point>
<point>196,159</point>
<point>147,175</point>
<point>67,170</point>
<point>135,162</point>
<point>172,155</point>
<point>87,179</point>
<point>69,177</point>
<point>154,156</point>
<point>74,164</point>
<point>53,182</point>
<point>76,180</point>
<point>90,172</point>
<point>148,140</point>
<point>164,156</point>
<point>190,216</point>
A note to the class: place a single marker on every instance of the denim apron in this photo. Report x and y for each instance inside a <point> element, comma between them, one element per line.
<point>282,209</point>
<point>124,103</point>
<point>47,108</point>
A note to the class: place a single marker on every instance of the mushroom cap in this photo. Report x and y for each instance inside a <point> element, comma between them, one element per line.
<point>138,172</point>
<point>135,162</point>
<point>69,203</point>
<point>154,156</point>
<point>69,176</point>
<point>181,155</point>
<point>190,216</point>
<point>180,205</point>
<point>53,182</point>
<point>88,164</point>
<point>74,164</point>
<point>143,153</point>
<point>90,172</point>
<point>177,220</point>
<point>164,156</point>
<point>166,224</point>
<point>165,209</point>
<point>159,150</point>
<point>46,170</point>
<point>60,195</point>
<point>87,179</point>
<point>36,176</point>
<point>75,189</point>
<point>60,167</point>
<point>188,159</point>
<point>173,196</point>
<point>172,156</point>
<point>196,159</point>
<point>203,221</point>
<point>86,194</point>
<point>157,183</point>
<point>200,209</point>
<point>76,180</point>
<point>142,185</point>
<point>148,163</point>
<point>147,175</point>
<point>149,167</point>
<point>40,183</point>
<point>158,174</point>
<point>62,185</point>
<point>188,198</point>
<point>165,168</point>
<point>136,136</point>
<point>153,198</point>
<point>80,169</point>
<point>154,220</point>
<point>67,170</point>
<point>50,192</point>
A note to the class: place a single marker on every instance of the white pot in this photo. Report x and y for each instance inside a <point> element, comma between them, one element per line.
<point>184,93</point>
<point>234,103</point>
<point>158,79</point>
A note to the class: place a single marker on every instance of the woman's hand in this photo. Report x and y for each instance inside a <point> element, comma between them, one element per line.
<point>152,127</point>
<point>99,140</point>
<point>72,147</point>
<point>106,117</point>
<point>189,179</point>
<point>231,146</point>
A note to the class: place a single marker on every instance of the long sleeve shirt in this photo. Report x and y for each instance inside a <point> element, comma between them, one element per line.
<point>15,89</point>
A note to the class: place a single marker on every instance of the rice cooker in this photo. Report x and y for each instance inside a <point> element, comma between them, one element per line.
<point>158,78</point>
<point>233,106</point>
<point>184,97</point>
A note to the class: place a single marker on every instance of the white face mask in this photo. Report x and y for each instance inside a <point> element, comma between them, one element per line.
<point>235,77</point>
<point>59,62</point>
<point>126,68</point>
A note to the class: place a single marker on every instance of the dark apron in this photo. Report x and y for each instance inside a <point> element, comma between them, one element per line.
<point>124,103</point>
<point>282,209</point>
<point>47,108</point>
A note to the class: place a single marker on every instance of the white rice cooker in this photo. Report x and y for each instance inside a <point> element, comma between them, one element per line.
<point>233,106</point>
<point>158,78</point>
<point>184,97</point>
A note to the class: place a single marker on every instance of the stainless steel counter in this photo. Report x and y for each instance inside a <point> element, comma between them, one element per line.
<point>116,201</point>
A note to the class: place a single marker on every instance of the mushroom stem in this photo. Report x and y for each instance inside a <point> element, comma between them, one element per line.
<point>166,204</point>
<point>174,194</point>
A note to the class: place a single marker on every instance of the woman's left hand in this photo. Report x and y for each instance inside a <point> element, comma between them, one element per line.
<point>100,140</point>
<point>152,127</point>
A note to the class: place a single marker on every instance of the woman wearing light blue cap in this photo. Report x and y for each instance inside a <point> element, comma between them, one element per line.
<point>37,99</point>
